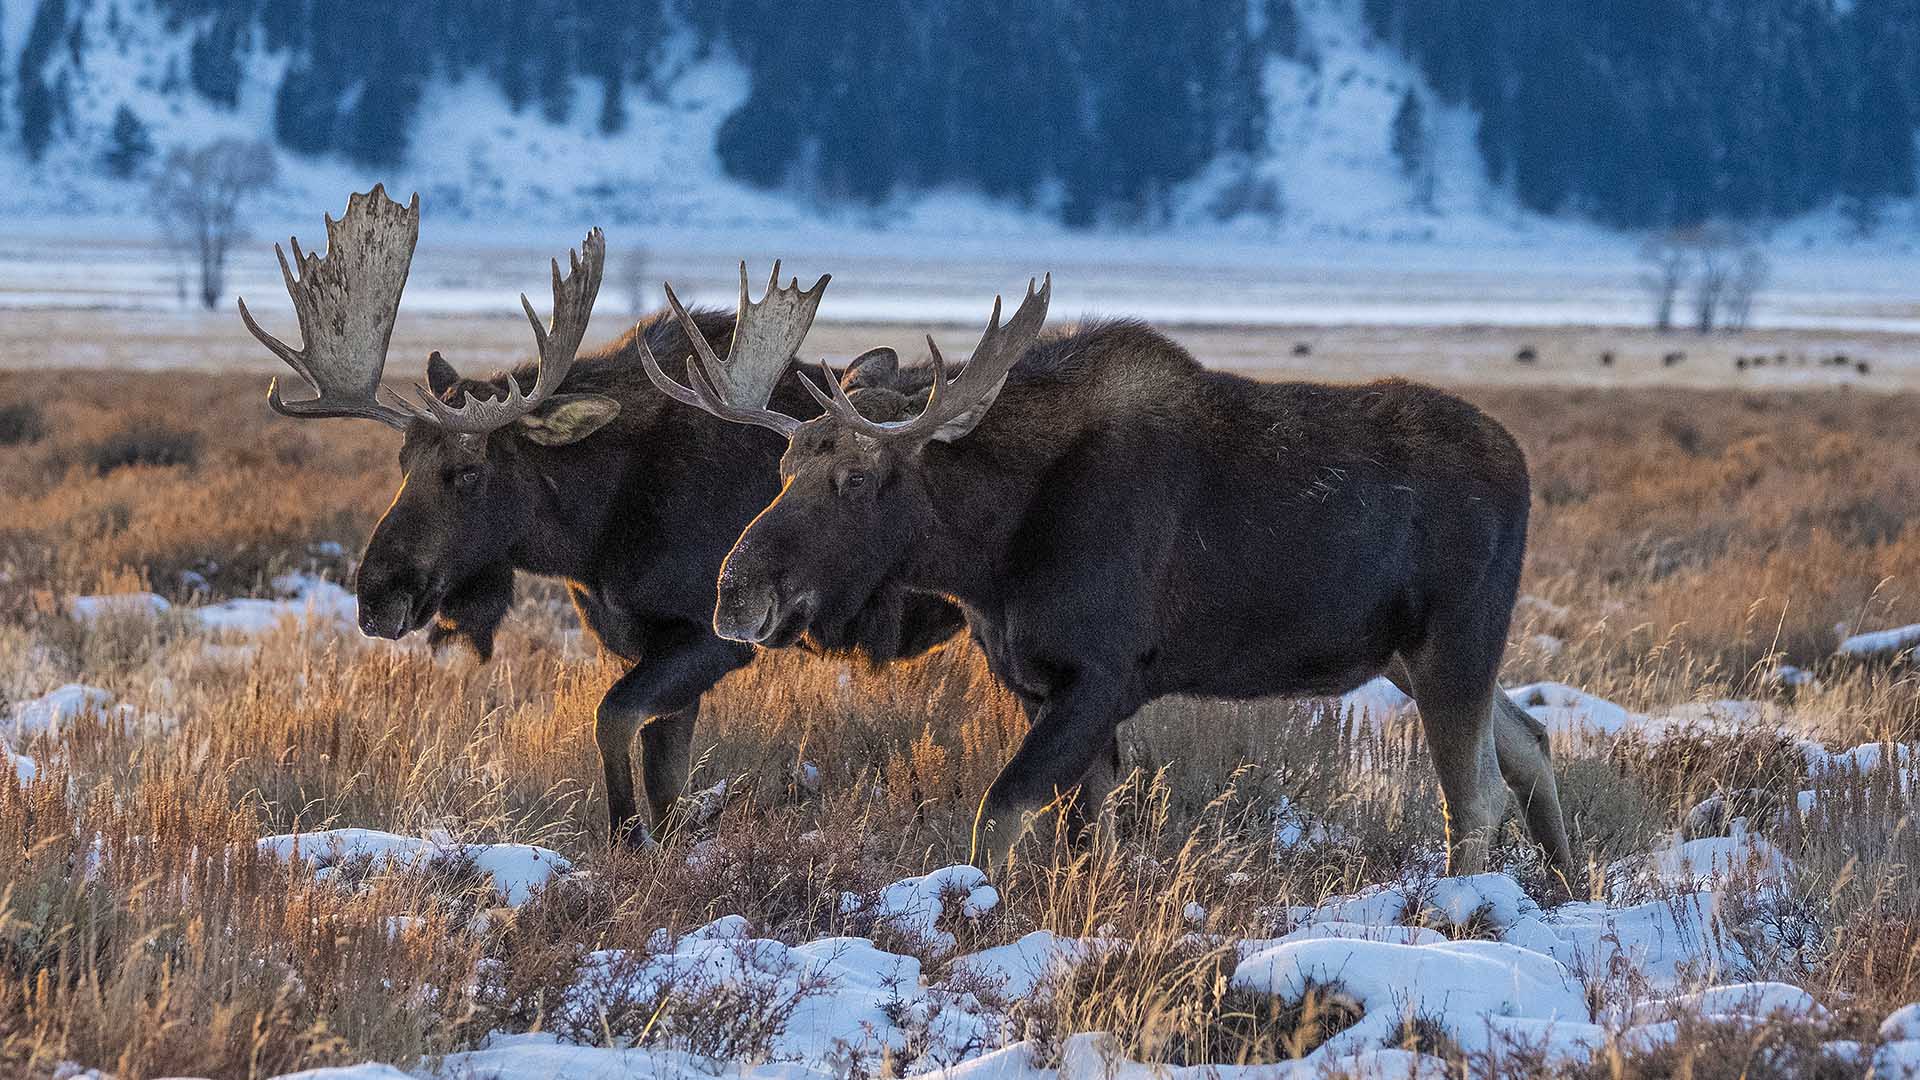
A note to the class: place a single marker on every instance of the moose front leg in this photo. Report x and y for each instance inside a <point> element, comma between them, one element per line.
<point>661,692</point>
<point>666,757</point>
<point>1072,730</point>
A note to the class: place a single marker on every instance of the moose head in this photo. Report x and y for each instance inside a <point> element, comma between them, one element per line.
<point>471,477</point>
<point>853,486</point>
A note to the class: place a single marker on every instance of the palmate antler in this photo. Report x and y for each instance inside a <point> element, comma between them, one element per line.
<point>766,334</point>
<point>346,304</point>
<point>347,300</point>
<point>964,401</point>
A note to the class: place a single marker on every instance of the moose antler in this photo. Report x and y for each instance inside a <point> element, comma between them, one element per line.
<point>346,304</point>
<point>573,298</point>
<point>766,334</point>
<point>972,391</point>
<point>347,300</point>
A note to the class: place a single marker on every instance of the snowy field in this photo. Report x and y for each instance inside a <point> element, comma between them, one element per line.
<point>240,839</point>
<point>1413,974</point>
<point>1458,317</point>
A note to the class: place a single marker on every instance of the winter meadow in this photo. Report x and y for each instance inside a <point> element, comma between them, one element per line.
<point>1136,688</point>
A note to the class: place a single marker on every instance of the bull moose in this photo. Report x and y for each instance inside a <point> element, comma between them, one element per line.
<point>590,476</point>
<point>1119,523</point>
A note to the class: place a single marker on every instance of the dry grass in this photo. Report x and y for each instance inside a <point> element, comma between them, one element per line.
<point>1684,541</point>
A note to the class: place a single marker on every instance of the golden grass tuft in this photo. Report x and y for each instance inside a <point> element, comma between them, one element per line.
<point>1684,542</point>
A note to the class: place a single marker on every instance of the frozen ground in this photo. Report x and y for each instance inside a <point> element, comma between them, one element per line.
<point>1474,960</point>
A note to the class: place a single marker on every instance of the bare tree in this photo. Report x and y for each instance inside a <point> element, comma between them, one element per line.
<point>1716,250</point>
<point>1667,258</point>
<point>197,198</point>
<point>1749,277</point>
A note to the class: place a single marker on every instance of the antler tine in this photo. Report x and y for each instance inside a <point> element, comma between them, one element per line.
<point>766,334</point>
<point>346,304</point>
<point>977,385</point>
<point>557,346</point>
<point>701,395</point>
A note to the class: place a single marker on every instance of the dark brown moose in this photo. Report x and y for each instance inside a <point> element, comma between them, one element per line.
<point>589,476</point>
<point>1119,523</point>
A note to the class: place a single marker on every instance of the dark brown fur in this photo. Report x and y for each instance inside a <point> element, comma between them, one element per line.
<point>1125,524</point>
<point>636,518</point>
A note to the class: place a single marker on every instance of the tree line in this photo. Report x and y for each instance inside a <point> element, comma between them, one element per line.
<point>1676,112</point>
<point>1634,113</point>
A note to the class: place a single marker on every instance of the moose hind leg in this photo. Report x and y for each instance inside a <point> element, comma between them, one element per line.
<point>1457,720</point>
<point>1527,765</point>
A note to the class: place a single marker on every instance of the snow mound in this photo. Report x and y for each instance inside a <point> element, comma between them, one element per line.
<point>1458,984</point>
<point>304,600</point>
<point>915,907</point>
<point>1880,642</point>
<point>54,711</point>
<point>23,766</point>
<point>50,713</point>
<point>1016,969</point>
<point>847,996</point>
<point>517,870</point>
<point>87,609</point>
<point>348,1072</point>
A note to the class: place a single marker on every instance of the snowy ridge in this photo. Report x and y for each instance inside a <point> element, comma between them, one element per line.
<point>474,157</point>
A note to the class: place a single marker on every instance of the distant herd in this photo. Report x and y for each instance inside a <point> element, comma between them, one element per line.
<point>1107,519</point>
<point>1528,354</point>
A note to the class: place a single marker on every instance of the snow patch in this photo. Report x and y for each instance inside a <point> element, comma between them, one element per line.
<point>517,870</point>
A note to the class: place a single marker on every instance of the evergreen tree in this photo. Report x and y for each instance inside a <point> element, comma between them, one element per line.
<point>129,144</point>
<point>613,106</point>
<point>1283,28</point>
<point>1413,147</point>
<point>40,104</point>
<point>214,62</point>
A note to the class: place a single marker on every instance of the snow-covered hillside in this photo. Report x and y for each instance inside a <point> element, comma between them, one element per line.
<point>1328,155</point>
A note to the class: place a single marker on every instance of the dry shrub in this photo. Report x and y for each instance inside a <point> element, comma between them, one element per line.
<point>1664,573</point>
<point>1680,769</point>
<point>143,446</point>
<point>21,422</point>
<point>1703,1048</point>
<point>150,936</point>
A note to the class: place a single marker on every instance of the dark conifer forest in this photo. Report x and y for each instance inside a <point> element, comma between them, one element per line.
<point>1630,112</point>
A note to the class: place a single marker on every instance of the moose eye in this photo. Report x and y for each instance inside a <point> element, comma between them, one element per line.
<point>466,480</point>
<point>854,481</point>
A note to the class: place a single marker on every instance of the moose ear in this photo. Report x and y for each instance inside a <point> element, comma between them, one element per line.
<point>871,368</point>
<point>567,418</point>
<point>440,375</point>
